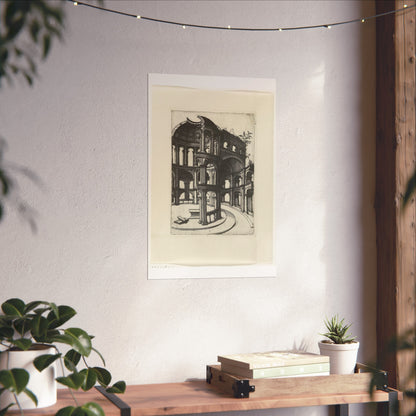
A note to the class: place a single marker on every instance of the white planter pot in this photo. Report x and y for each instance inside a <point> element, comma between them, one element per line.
<point>342,357</point>
<point>42,384</point>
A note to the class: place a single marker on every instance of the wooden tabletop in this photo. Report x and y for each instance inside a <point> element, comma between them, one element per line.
<point>65,399</point>
<point>199,397</point>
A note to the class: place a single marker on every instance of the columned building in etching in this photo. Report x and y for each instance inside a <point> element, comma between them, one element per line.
<point>209,169</point>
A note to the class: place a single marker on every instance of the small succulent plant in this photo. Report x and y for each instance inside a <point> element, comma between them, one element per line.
<point>337,331</point>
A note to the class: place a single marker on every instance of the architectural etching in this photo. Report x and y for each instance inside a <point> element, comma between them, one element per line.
<point>212,173</point>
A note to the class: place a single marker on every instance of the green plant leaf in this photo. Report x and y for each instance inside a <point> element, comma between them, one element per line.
<point>31,396</point>
<point>88,409</point>
<point>65,411</point>
<point>59,315</point>
<point>6,379</point>
<point>54,309</point>
<point>337,331</point>
<point>73,381</point>
<point>39,327</point>
<point>13,307</point>
<point>14,380</point>
<point>44,361</point>
<point>22,325</point>
<point>103,376</point>
<point>93,409</point>
<point>6,332</point>
<point>90,379</point>
<point>119,387</point>
<point>77,338</point>
<point>50,335</point>
<point>22,343</point>
<point>4,411</point>
<point>33,305</point>
<point>71,359</point>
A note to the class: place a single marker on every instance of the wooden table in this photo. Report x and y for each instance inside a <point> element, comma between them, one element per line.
<point>197,396</point>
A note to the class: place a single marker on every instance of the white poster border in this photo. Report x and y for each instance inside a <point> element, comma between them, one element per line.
<point>161,270</point>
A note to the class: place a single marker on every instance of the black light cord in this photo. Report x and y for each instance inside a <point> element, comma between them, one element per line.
<point>244,29</point>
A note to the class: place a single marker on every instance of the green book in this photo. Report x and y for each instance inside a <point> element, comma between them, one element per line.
<point>273,359</point>
<point>274,372</point>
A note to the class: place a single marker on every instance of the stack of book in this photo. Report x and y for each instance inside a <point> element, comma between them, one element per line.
<point>275,364</point>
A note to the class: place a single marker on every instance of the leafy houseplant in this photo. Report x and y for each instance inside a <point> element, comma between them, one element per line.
<point>340,346</point>
<point>31,326</point>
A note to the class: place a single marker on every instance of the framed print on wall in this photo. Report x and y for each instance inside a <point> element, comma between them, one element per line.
<point>211,177</point>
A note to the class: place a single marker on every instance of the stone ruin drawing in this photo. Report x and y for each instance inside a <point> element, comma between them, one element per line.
<point>212,173</point>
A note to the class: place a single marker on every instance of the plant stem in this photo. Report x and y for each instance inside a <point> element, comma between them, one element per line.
<point>63,373</point>
<point>18,403</point>
<point>85,362</point>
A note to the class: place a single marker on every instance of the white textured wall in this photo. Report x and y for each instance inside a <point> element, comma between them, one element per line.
<point>83,130</point>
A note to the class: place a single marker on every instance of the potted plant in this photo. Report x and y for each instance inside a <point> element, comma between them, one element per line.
<point>34,331</point>
<point>341,347</point>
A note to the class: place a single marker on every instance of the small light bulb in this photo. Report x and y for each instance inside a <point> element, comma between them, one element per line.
<point>229,27</point>
<point>362,20</point>
<point>183,27</point>
<point>280,29</point>
<point>75,3</point>
<point>329,26</point>
<point>138,16</point>
<point>405,6</point>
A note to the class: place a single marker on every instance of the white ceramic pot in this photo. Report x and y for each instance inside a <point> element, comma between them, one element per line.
<point>342,357</point>
<point>42,384</point>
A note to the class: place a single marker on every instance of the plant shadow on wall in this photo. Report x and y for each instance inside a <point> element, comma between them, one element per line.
<point>30,335</point>
<point>10,189</point>
<point>28,29</point>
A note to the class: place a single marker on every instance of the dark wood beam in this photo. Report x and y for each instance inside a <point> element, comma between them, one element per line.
<point>395,164</point>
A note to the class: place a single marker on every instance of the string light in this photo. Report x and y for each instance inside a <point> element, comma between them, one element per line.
<point>246,29</point>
